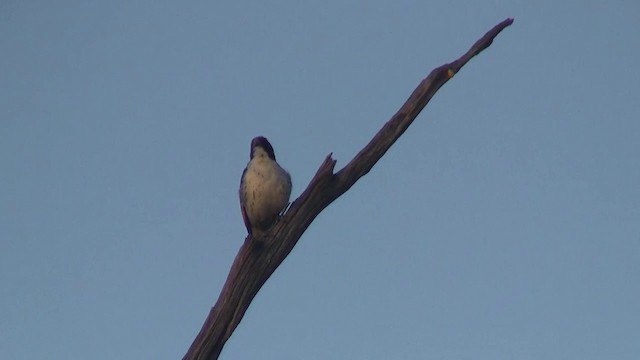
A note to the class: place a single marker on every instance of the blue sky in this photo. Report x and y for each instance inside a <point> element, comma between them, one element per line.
<point>505,223</point>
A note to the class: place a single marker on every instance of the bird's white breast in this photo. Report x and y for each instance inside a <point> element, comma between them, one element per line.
<point>266,188</point>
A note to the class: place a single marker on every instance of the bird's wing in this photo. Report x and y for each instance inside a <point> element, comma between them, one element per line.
<point>247,223</point>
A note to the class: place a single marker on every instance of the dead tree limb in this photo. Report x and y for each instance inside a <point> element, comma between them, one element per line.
<point>253,265</point>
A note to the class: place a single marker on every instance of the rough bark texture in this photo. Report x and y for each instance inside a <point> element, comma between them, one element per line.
<point>255,262</point>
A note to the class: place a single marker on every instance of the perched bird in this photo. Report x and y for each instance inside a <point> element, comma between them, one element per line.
<point>265,188</point>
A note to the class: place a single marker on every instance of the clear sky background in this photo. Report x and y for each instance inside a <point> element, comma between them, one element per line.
<point>504,224</point>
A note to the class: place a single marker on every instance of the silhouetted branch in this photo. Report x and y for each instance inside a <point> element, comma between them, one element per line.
<point>254,264</point>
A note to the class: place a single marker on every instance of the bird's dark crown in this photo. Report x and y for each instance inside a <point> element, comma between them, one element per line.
<point>262,142</point>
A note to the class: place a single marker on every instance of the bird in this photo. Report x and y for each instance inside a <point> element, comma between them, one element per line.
<point>265,188</point>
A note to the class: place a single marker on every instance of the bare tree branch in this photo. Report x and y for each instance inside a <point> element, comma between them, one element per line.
<point>254,264</point>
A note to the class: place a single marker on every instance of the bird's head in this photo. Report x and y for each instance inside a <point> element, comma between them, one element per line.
<point>260,146</point>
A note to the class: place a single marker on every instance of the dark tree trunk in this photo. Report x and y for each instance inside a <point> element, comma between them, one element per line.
<point>254,264</point>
